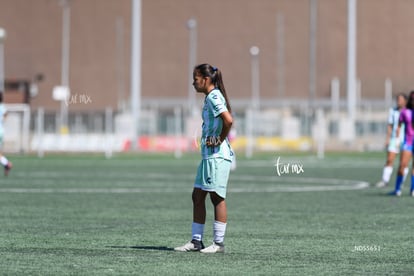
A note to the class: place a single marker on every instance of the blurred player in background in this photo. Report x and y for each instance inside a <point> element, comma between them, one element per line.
<point>232,136</point>
<point>214,169</point>
<point>392,142</point>
<point>406,119</point>
<point>3,160</point>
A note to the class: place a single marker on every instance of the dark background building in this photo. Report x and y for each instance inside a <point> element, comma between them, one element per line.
<point>100,46</point>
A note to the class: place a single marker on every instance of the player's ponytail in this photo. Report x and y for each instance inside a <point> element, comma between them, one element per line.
<point>220,85</point>
<point>206,70</point>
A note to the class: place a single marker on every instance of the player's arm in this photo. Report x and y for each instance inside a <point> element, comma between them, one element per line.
<point>401,121</point>
<point>389,131</point>
<point>397,131</point>
<point>397,135</point>
<point>227,123</point>
<point>391,122</point>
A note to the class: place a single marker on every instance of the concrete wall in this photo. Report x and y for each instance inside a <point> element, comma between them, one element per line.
<point>227,29</point>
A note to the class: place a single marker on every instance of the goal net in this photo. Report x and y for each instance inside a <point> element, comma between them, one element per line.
<point>17,128</point>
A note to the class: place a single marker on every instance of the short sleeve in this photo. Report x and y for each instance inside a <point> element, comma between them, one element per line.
<point>217,103</point>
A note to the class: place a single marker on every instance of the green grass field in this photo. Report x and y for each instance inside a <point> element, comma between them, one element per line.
<point>85,215</point>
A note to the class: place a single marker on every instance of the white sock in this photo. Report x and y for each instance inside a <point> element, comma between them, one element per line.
<point>386,174</point>
<point>197,231</point>
<point>405,174</point>
<point>219,229</point>
<point>3,160</point>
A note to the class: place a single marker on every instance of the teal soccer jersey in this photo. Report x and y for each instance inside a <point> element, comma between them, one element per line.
<point>214,105</point>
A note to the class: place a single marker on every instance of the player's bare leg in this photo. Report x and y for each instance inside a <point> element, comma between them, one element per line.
<point>387,170</point>
<point>404,160</point>
<point>390,158</point>
<point>220,208</point>
<point>199,219</point>
<point>219,227</point>
<point>199,205</point>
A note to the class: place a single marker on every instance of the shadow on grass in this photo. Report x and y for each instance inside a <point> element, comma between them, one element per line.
<point>157,248</point>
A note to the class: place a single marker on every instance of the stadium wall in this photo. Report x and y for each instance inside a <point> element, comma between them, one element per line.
<point>100,47</point>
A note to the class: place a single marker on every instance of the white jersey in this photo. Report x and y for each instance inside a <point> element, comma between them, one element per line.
<point>393,120</point>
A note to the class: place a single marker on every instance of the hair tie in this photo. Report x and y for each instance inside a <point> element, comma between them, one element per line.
<point>215,69</point>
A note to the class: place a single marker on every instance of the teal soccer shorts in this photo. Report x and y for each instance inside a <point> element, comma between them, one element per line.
<point>213,175</point>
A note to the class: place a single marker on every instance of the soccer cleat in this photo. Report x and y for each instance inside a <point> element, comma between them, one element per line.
<point>412,193</point>
<point>192,245</point>
<point>381,184</point>
<point>7,168</point>
<point>214,248</point>
<point>395,193</point>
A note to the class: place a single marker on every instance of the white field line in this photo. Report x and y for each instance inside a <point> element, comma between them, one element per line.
<point>45,177</point>
<point>330,185</point>
<point>314,164</point>
<point>307,161</point>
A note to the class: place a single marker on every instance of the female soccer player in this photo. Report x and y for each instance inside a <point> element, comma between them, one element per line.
<point>216,152</point>
<point>406,118</point>
<point>392,142</point>
<point>3,160</point>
